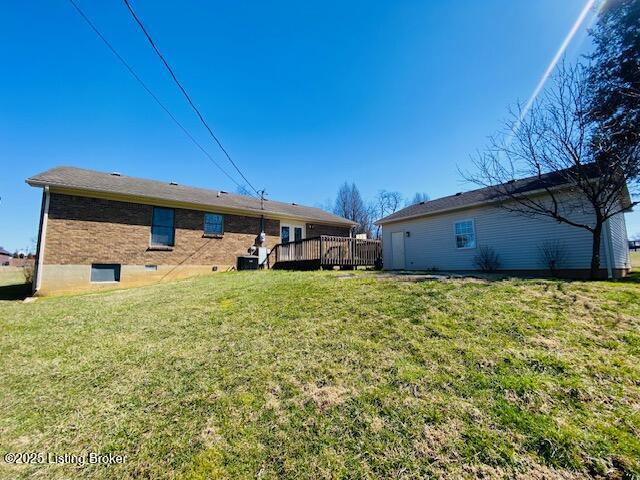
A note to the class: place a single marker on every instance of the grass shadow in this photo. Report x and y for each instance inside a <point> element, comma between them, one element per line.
<point>18,291</point>
<point>633,277</point>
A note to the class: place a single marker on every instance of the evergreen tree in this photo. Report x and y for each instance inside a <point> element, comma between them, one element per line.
<point>615,77</point>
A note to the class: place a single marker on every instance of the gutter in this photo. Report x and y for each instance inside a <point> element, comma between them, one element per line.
<point>146,200</point>
<point>608,249</point>
<point>531,193</point>
<point>44,217</point>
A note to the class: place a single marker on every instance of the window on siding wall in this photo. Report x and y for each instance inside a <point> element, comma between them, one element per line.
<point>213,224</point>
<point>162,226</point>
<point>465,234</point>
<point>105,272</point>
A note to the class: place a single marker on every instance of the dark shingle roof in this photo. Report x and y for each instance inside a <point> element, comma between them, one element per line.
<point>100,182</point>
<point>480,196</point>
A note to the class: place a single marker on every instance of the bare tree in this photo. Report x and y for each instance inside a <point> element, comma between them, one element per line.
<point>349,204</point>
<point>417,198</point>
<point>556,142</point>
<point>385,203</point>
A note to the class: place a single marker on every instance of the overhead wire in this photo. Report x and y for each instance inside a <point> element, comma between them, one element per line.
<point>150,92</point>
<point>185,93</point>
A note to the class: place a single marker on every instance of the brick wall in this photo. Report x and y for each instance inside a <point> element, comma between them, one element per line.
<point>315,230</point>
<point>83,230</point>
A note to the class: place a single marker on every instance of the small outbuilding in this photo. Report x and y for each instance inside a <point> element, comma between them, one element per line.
<point>458,232</point>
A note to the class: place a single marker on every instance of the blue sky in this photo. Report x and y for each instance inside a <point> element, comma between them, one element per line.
<point>305,95</point>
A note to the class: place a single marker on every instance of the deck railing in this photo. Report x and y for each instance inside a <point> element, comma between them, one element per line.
<point>327,250</point>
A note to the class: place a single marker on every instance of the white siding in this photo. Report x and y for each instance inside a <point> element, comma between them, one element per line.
<point>619,241</point>
<point>516,238</point>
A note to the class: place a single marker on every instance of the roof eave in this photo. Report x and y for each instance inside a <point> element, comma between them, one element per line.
<point>41,183</point>
<point>466,206</point>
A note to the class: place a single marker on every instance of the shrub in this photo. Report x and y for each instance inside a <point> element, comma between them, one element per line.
<point>487,259</point>
<point>27,271</point>
<point>553,254</point>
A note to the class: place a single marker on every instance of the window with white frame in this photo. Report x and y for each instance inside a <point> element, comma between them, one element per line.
<point>465,234</point>
<point>213,224</point>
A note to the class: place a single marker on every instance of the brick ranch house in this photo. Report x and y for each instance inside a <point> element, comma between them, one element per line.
<point>100,229</point>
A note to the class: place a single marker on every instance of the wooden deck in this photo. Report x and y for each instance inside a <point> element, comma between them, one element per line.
<point>325,251</point>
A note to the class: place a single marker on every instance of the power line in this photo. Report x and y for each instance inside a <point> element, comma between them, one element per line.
<point>184,92</point>
<point>148,90</point>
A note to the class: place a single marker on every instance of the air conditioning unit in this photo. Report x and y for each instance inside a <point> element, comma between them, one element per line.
<point>248,262</point>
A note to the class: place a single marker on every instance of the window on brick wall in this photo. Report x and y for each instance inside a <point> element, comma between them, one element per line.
<point>213,224</point>
<point>162,226</point>
<point>105,272</point>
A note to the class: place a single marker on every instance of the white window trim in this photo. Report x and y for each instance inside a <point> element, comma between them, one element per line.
<point>475,236</point>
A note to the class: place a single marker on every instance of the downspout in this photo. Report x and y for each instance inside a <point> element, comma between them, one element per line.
<point>37,278</point>
<point>608,249</point>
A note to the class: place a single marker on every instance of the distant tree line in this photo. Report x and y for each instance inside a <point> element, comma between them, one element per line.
<point>350,204</point>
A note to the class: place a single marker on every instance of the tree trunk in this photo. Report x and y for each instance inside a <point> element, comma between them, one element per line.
<point>595,252</point>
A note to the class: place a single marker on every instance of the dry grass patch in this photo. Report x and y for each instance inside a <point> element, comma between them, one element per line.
<point>326,396</point>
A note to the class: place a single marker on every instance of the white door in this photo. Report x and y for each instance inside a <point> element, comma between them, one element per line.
<point>291,232</point>
<point>397,250</point>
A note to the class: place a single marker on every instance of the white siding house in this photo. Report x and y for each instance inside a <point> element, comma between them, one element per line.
<point>446,234</point>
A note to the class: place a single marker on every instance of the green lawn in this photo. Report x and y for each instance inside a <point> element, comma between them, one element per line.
<point>11,276</point>
<point>309,375</point>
